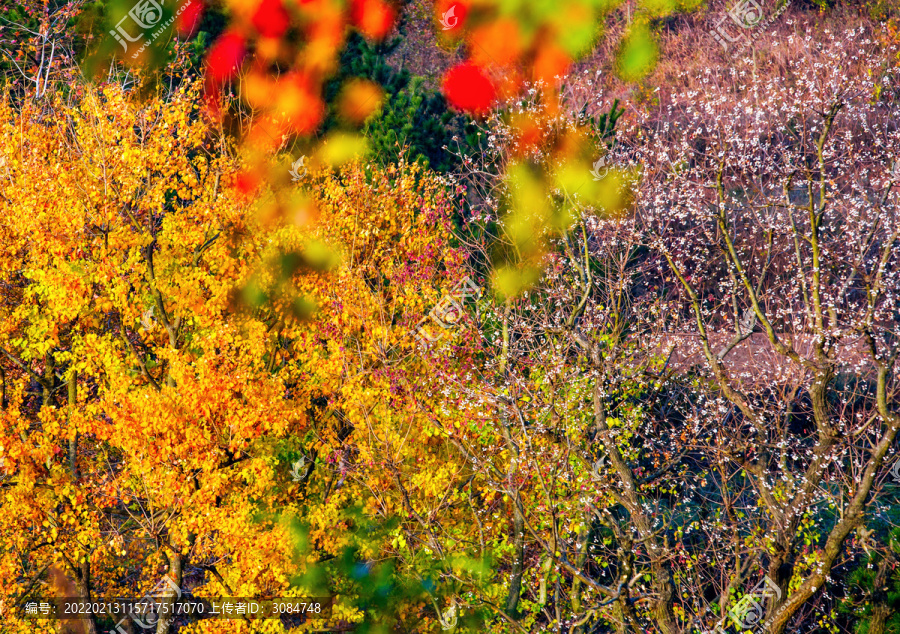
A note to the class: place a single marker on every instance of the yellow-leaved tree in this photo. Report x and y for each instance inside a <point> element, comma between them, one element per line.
<point>164,409</point>
<point>136,402</point>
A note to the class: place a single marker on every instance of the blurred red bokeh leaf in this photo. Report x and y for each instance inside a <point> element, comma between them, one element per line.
<point>271,19</point>
<point>225,57</point>
<point>188,20</point>
<point>468,88</point>
<point>374,18</point>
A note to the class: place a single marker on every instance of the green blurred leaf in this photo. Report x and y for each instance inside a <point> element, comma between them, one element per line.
<point>609,193</point>
<point>472,565</point>
<point>320,256</point>
<point>339,148</point>
<point>527,189</point>
<point>303,308</point>
<point>637,55</point>
<point>658,8</point>
<point>572,177</point>
<point>531,211</point>
<point>253,295</point>
<point>563,217</point>
<point>510,281</point>
<point>524,229</point>
<point>576,21</point>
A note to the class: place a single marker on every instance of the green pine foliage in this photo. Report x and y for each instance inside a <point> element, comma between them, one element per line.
<point>418,119</point>
<point>872,602</point>
<point>415,119</point>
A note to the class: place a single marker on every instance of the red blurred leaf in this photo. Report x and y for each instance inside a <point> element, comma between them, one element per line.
<point>225,57</point>
<point>246,182</point>
<point>188,20</point>
<point>374,18</point>
<point>468,88</point>
<point>271,19</point>
<point>299,102</point>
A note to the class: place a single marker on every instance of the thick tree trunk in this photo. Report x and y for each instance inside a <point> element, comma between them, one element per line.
<point>580,560</point>
<point>83,586</point>
<point>664,588</point>
<point>171,595</point>
<point>881,611</point>
<point>880,614</point>
<point>662,583</point>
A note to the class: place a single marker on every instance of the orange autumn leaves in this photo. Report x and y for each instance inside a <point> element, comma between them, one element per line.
<point>502,57</point>
<point>517,44</point>
<point>506,47</point>
<point>171,397</point>
<point>290,48</point>
<point>305,38</point>
<point>185,409</point>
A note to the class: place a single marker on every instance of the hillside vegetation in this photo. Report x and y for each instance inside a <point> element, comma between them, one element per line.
<point>473,326</point>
